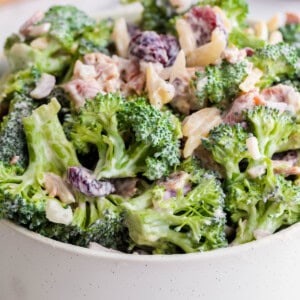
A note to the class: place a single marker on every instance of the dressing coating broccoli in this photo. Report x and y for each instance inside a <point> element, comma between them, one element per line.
<point>109,122</point>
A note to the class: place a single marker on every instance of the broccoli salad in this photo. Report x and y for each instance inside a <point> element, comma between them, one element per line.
<point>177,133</point>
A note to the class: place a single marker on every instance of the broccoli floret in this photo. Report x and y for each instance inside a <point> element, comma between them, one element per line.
<point>22,56</point>
<point>189,222</point>
<point>277,62</point>
<point>21,82</point>
<point>258,211</point>
<point>23,198</point>
<point>219,84</point>
<point>72,33</point>
<point>157,15</point>
<point>67,24</point>
<point>242,39</point>
<point>13,144</point>
<point>271,128</point>
<point>258,201</point>
<point>49,151</point>
<point>228,146</point>
<point>110,123</point>
<point>96,40</point>
<point>291,35</point>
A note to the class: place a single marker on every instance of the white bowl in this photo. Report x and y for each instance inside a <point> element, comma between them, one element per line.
<point>34,268</point>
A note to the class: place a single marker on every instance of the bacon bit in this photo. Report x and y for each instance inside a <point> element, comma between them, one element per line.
<point>234,55</point>
<point>107,71</point>
<point>283,94</point>
<point>243,102</point>
<point>14,160</point>
<point>27,26</point>
<point>285,167</point>
<point>81,90</point>
<point>292,18</point>
<point>258,100</point>
<point>176,181</point>
<point>83,71</point>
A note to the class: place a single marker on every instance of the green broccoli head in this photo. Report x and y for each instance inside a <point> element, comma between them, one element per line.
<point>271,127</point>
<point>227,143</point>
<point>71,34</point>
<point>24,198</point>
<point>276,62</point>
<point>219,84</point>
<point>291,35</point>
<point>157,15</point>
<point>258,211</point>
<point>190,221</point>
<point>110,123</point>
<point>67,23</point>
<point>13,148</point>
<point>22,56</point>
<point>242,39</point>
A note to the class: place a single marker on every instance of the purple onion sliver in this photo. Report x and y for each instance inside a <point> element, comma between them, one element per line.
<point>85,182</point>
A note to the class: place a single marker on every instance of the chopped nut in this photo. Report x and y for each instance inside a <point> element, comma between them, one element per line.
<point>56,187</point>
<point>275,37</point>
<point>253,149</point>
<point>261,30</point>
<point>44,86</point>
<point>56,213</point>
<point>14,160</point>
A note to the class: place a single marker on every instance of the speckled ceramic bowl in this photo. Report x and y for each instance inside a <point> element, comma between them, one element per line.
<point>36,268</point>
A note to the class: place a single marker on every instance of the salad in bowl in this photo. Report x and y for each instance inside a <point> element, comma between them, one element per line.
<point>178,133</point>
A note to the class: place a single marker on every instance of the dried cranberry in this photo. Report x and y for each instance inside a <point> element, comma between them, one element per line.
<point>204,20</point>
<point>152,47</point>
<point>172,47</point>
<point>249,51</point>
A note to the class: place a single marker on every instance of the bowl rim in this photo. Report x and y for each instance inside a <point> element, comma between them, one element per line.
<point>286,234</point>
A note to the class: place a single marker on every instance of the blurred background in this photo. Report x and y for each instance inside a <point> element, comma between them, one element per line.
<point>14,12</point>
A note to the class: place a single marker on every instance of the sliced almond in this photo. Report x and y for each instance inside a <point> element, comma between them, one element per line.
<point>121,37</point>
<point>197,126</point>
<point>187,38</point>
<point>159,91</point>
<point>209,53</point>
<point>251,80</point>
